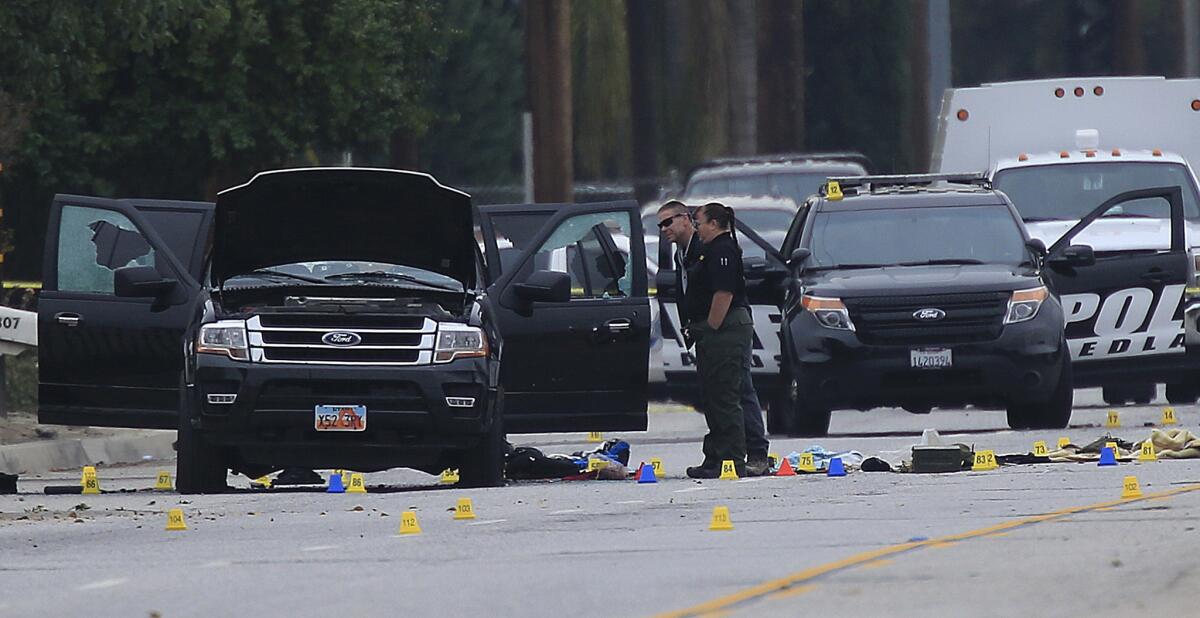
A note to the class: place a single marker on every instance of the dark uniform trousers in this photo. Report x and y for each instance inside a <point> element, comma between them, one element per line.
<point>720,358</point>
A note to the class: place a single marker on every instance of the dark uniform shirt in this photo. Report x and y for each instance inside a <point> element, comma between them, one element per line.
<point>717,269</point>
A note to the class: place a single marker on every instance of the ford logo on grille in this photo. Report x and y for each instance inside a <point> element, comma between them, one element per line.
<point>928,315</point>
<point>341,339</point>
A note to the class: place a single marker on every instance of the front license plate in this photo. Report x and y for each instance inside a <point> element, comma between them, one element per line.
<point>341,418</point>
<point>931,358</point>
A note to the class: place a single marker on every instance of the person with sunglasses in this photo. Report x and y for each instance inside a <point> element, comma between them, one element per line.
<point>711,289</point>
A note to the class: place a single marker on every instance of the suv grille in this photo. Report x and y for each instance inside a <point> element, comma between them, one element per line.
<point>381,339</point>
<point>968,317</point>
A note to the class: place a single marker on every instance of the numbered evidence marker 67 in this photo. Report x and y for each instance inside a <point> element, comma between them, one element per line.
<point>656,463</point>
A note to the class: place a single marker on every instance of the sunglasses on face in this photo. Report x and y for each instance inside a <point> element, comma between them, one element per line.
<point>666,223</point>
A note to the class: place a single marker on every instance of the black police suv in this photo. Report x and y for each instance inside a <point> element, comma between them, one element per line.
<point>342,317</point>
<point>918,291</point>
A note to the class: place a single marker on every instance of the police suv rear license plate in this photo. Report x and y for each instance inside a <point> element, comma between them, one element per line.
<point>931,358</point>
<point>341,418</point>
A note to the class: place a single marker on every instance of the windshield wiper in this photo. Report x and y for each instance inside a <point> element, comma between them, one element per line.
<point>1127,215</point>
<point>943,261</point>
<point>848,266</point>
<point>379,274</point>
<point>1044,219</point>
<point>280,273</point>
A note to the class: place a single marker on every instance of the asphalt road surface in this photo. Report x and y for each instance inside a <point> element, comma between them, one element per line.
<point>1053,539</point>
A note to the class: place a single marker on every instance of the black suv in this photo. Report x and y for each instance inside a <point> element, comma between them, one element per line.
<point>342,317</point>
<point>918,291</point>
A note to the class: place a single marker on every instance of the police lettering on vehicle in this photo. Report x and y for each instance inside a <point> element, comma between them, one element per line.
<point>1125,322</point>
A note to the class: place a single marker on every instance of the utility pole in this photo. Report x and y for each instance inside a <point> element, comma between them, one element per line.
<point>929,56</point>
<point>1189,33</point>
<point>1129,55</point>
<point>639,18</point>
<point>548,93</point>
<point>780,76</point>
<point>742,63</point>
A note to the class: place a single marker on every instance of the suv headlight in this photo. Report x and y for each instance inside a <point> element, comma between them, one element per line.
<point>459,341</point>
<point>225,337</point>
<point>830,312</point>
<point>1024,304</point>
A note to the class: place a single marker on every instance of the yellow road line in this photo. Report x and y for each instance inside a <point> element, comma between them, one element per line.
<point>798,579</point>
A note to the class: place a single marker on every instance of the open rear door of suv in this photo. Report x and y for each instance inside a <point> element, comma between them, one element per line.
<point>116,300</point>
<point>1124,303</point>
<point>573,313</point>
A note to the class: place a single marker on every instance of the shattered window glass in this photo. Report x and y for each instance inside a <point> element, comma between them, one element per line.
<point>594,250</point>
<point>92,243</point>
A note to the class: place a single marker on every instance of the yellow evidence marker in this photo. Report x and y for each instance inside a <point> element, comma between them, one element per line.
<point>720,519</point>
<point>464,509</point>
<point>163,482</point>
<point>656,463</point>
<point>449,477</point>
<point>263,480</point>
<point>1168,417</point>
<point>357,486</point>
<point>728,470</point>
<point>985,460</point>
<point>1113,420</point>
<point>806,463</point>
<point>1146,451</point>
<point>1130,488</point>
<point>91,485</point>
<point>175,520</point>
<point>1113,446</point>
<point>833,190</point>
<point>408,523</point>
<point>595,464</point>
<point>595,436</point>
<point>1064,442</point>
<point>1039,448</point>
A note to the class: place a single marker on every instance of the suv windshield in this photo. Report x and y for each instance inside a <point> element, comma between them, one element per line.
<point>1070,192</point>
<point>916,236</point>
<point>337,272</point>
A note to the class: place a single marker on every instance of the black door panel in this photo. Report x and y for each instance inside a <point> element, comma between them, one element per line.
<point>1127,303</point>
<point>579,365</point>
<point>103,359</point>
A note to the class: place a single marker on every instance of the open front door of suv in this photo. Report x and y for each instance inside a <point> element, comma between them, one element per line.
<point>573,313</point>
<point>120,282</point>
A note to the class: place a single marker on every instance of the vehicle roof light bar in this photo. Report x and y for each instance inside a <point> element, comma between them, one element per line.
<point>852,185</point>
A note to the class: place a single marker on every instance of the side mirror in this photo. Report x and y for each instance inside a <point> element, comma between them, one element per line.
<point>799,256</point>
<point>1037,246</point>
<point>141,282</point>
<point>547,286</point>
<point>1074,256</point>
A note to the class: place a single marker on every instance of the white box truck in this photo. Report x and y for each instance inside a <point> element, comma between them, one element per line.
<point>1060,148</point>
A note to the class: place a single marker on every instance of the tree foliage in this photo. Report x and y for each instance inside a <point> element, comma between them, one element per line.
<point>176,98</point>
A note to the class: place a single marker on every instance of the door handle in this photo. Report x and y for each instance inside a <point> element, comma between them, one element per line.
<point>68,319</point>
<point>621,325</point>
<point>1156,275</point>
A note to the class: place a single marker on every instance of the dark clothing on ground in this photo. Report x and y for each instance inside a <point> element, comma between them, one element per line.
<point>718,268</point>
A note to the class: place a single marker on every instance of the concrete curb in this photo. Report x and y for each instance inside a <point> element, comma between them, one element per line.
<point>36,457</point>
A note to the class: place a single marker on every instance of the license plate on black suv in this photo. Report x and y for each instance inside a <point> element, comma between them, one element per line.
<point>340,418</point>
<point>931,358</point>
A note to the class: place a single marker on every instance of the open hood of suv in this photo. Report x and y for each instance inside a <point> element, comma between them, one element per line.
<point>314,214</point>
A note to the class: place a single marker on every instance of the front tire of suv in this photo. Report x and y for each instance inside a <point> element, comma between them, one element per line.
<point>1055,412</point>
<point>200,467</point>
<point>779,414</point>
<point>810,417</point>
<point>1181,394</point>
<point>483,466</point>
